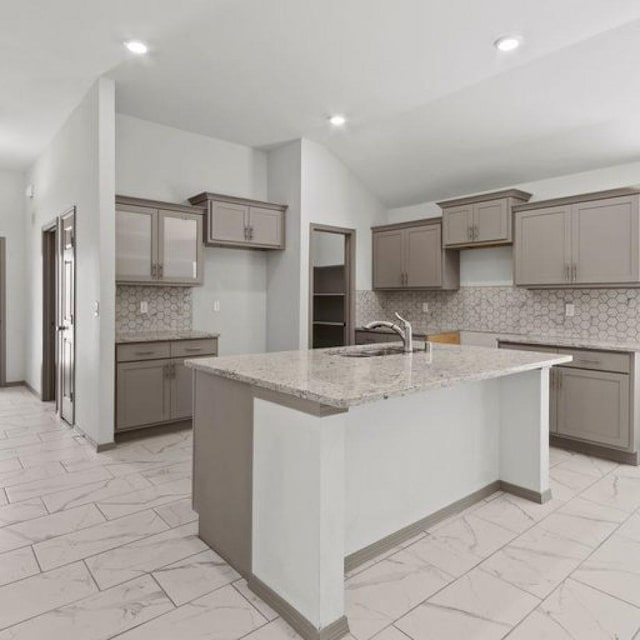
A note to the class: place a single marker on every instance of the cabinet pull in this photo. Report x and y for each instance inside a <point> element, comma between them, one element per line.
<point>160,270</point>
<point>193,349</point>
<point>593,361</point>
<point>246,233</point>
<point>474,232</point>
<point>574,272</point>
<point>250,232</point>
<point>567,271</point>
<point>145,353</point>
<point>469,234</point>
<point>153,270</point>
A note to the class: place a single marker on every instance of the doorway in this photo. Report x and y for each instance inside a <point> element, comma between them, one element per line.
<point>331,286</point>
<point>59,314</point>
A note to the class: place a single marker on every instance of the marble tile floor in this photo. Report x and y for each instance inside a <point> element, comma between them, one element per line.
<point>99,546</point>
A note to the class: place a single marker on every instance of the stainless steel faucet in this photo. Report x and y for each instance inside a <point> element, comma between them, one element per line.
<point>405,332</point>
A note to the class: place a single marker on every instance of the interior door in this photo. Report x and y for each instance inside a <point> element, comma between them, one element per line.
<point>424,256</point>
<point>491,221</point>
<point>543,246</point>
<point>605,241</point>
<point>388,260</point>
<point>180,247</point>
<point>136,242</point>
<point>67,315</point>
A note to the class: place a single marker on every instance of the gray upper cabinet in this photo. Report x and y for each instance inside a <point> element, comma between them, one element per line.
<point>587,240</point>
<point>158,243</point>
<point>543,246</point>
<point>410,256</point>
<point>483,220</point>
<point>136,244</point>
<point>242,223</point>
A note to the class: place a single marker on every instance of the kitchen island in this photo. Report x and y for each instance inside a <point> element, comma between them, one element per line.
<point>309,461</point>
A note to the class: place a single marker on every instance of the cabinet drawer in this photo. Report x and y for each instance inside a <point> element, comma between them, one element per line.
<point>194,348</point>
<point>142,351</point>
<point>597,360</point>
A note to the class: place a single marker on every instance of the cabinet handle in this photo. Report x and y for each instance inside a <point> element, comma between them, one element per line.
<point>250,233</point>
<point>153,270</point>
<point>145,353</point>
<point>193,349</point>
<point>575,272</point>
<point>246,233</point>
<point>469,234</point>
<point>567,271</point>
<point>160,270</point>
<point>475,232</point>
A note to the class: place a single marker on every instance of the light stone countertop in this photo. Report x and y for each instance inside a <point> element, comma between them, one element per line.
<point>572,342</point>
<point>337,381</point>
<point>162,336</point>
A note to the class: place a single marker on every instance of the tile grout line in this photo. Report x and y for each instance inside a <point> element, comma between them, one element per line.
<point>540,600</point>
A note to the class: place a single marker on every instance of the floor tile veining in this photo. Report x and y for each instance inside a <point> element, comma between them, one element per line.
<point>98,546</point>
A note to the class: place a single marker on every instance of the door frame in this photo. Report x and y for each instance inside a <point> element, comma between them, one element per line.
<point>350,278</point>
<point>49,312</point>
<point>69,213</point>
<point>3,312</point>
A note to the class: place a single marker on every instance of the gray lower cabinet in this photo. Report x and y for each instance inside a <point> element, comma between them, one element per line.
<point>158,243</point>
<point>592,399</point>
<point>242,223</point>
<point>593,406</point>
<point>481,220</point>
<point>590,240</point>
<point>153,385</point>
<point>411,256</point>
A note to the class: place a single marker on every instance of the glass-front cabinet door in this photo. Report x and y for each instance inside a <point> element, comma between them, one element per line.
<point>136,242</point>
<point>180,245</point>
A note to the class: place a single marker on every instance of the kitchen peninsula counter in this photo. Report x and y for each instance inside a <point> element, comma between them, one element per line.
<point>310,462</point>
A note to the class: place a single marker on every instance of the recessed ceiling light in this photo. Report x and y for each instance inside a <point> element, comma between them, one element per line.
<point>508,43</point>
<point>137,47</point>
<point>337,120</point>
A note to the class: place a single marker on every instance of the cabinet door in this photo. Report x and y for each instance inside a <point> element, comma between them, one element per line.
<point>388,264</point>
<point>136,243</point>
<point>593,406</point>
<point>180,247</point>
<point>266,227</point>
<point>227,222</point>
<point>181,391</point>
<point>457,222</point>
<point>144,393</point>
<point>542,250</point>
<point>491,220</point>
<point>423,256</point>
<point>605,241</point>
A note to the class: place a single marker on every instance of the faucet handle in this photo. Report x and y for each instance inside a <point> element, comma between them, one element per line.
<point>404,322</point>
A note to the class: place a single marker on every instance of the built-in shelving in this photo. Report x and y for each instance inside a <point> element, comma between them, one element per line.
<point>329,306</point>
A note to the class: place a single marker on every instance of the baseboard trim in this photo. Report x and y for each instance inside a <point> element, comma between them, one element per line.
<point>105,446</point>
<point>371,551</point>
<point>527,494</point>
<point>23,383</point>
<point>334,631</point>
<point>587,448</point>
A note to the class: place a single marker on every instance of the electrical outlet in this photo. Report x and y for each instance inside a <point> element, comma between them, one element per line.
<point>216,305</point>
<point>425,307</point>
<point>569,310</point>
<point>144,307</point>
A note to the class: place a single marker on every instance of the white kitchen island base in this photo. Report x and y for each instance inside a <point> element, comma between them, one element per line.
<point>289,489</point>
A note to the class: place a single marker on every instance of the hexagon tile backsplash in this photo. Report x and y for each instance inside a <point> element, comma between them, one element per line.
<point>602,313</point>
<point>169,308</point>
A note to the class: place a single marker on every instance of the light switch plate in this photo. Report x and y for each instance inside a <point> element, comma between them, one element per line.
<point>216,305</point>
<point>425,307</point>
<point>144,307</point>
<point>569,310</point>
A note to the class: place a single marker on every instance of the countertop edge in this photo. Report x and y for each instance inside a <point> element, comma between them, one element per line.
<point>347,402</point>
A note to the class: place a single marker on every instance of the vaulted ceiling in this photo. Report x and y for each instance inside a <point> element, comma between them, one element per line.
<point>433,109</point>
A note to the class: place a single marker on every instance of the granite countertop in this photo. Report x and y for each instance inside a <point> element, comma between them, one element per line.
<point>327,378</point>
<point>572,342</point>
<point>162,336</point>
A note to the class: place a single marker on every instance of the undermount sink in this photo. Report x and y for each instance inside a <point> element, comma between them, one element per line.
<point>370,353</point>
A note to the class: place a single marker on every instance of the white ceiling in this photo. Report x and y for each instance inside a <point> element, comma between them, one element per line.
<point>434,110</point>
